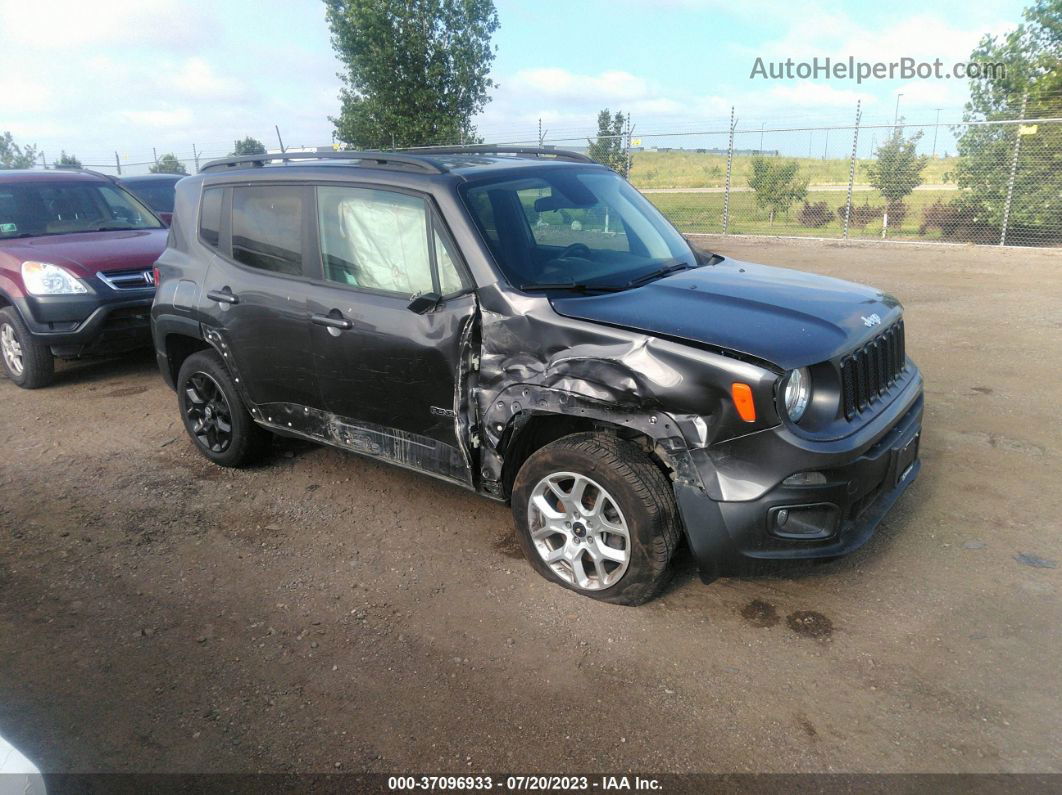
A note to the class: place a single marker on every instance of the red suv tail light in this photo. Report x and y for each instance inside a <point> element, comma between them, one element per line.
<point>155,275</point>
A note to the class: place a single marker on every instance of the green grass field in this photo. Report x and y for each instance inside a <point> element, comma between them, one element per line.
<point>703,212</point>
<point>696,170</point>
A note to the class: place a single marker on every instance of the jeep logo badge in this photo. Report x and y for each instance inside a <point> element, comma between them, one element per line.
<point>871,320</point>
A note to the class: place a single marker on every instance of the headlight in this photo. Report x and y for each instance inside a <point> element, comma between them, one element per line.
<point>797,393</point>
<point>42,278</point>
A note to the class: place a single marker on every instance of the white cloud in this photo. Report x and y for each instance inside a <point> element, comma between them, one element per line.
<point>73,23</point>
<point>174,117</point>
<point>818,95</point>
<point>196,79</point>
<point>561,84</point>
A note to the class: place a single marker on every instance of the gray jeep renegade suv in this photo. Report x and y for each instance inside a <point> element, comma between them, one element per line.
<point>523,323</point>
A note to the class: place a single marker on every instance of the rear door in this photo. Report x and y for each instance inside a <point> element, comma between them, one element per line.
<point>393,378</point>
<point>256,291</point>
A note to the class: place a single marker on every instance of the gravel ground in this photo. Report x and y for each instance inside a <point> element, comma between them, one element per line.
<point>324,612</point>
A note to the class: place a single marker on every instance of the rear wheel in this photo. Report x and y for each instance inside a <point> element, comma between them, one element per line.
<point>27,362</point>
<point>214,413</point>
<point>594,514</point>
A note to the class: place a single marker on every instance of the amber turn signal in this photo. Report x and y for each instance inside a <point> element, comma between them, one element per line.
<point>743,402</point>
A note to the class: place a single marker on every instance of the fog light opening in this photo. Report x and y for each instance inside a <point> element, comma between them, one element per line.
<point>803,522</point>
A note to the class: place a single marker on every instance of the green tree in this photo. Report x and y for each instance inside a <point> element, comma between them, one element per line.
<point>416,71</point>
<point>897,169</point>
<point>777,184</point>
<point>67,161</point>
<point>168,164</point>
<point>609,148</point>
<point>247,146</point>
<point>1031,55</point>
<point>14,156</point>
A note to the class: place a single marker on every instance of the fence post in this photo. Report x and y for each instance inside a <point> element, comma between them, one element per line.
<point>729,168</point>
<point>1013,172</point>
<point>117,164</point>
<point>852,167</point>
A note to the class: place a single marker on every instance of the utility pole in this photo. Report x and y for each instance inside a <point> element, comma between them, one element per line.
<point>155,154</point>
<point>627,148</point>
<point>729,170</point>
<point>195,154</point>
<point>117,163</point>
<point>1013,171</point>
<point>936,127</point>
<point>896,116</point>
<point>761,136</point>
<point>281,140</point>
<point>852,167</point>
<point>44,163</point>
<point>826,147</point>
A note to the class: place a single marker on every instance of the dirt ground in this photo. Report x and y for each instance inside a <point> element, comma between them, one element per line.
<point>324,612</point>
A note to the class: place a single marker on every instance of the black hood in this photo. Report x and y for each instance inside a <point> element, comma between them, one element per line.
<point>786,317</point>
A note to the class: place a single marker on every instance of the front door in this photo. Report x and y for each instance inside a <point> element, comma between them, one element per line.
<point>394,379</point>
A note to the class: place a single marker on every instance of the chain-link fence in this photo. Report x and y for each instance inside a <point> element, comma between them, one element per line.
<point>995,182</point>
<point>1003,186</point>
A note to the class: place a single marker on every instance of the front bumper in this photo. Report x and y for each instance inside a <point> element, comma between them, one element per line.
<point>833,519</point>
<point>94,323</point>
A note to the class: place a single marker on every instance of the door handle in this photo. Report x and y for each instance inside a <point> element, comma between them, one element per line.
<point>223,296</point>
<point>331,321</point>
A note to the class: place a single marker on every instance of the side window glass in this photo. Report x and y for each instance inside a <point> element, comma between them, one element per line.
<point>267,228</point>
<point>374,239</point>
<point>449,276</point>
<point>210,216</point>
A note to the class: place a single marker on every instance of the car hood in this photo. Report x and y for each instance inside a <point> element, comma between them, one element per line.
<point>88,253</point>
<point>786,317</point>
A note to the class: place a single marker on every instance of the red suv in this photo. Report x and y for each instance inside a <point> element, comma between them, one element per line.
<point>76,257</point>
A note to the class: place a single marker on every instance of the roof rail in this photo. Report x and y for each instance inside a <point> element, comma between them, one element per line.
<point>491,149</point>
<point>378,158</point>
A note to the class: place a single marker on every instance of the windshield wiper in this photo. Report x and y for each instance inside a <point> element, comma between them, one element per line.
<point>645,278</point>
<point>576,286</point>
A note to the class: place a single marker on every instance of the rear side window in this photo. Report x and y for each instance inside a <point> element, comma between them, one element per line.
<point>267,228</point>
<point>210,217</point>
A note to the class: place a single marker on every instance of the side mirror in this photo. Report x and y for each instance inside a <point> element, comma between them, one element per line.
<point>422,303</point>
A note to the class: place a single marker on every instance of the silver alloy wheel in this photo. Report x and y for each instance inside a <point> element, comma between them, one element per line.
<point>578,529</point>
<point>12,348</point>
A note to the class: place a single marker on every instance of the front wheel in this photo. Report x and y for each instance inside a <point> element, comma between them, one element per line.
<point>214,414</point>
<point>27,362</point>
<point>594,514</point>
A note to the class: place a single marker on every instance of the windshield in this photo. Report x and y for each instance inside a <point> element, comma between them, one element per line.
<point>569,227</point>
<point>158,194</point>
<point>29,209</point>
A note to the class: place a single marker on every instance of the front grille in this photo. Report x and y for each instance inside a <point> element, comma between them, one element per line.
<point>128,280</point>
<point>867,373</point>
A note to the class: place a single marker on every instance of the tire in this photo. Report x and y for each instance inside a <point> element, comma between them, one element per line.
<point>637,498</point>
<point>27,362</point>
<point>209,403</point>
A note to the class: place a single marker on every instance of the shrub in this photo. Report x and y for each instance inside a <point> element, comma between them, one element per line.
<point>958,221</point>
<point>861,214</point>
<point>816,215</point>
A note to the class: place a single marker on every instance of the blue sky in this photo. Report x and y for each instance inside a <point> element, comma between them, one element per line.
<point>130,75</point>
